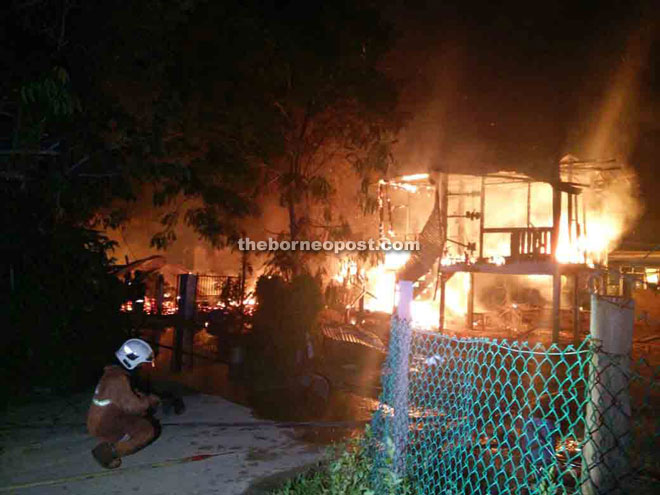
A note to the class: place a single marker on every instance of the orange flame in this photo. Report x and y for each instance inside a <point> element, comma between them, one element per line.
<point>381,289</point>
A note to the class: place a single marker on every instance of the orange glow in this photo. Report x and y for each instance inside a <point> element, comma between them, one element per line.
<point>425,310</point>
<point>517,215</point>
<point>413,177</point>
<point>380,288</point>
<point>396,259</point>
<point>611,209</point>
<point>404,185</point>
<point>602,236</point>
<point>497,260</point>
<point>425,314</point>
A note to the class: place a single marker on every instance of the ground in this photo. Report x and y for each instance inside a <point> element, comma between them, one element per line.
<point>45,449</point>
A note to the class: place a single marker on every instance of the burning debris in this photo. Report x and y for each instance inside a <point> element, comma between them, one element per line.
<point>547,237</point>
<point>153,287</point>
<point>501,252</point>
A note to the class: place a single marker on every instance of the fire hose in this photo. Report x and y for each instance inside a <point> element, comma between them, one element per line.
<point>101,474</point>
<point>239,424</point>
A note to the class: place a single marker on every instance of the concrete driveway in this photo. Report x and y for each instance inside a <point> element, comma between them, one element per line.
<point>215,447</point>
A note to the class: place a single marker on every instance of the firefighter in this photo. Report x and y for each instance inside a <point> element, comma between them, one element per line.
<point>119,416</point>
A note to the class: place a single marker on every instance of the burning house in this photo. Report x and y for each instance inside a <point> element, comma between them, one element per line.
<point>504,251</point>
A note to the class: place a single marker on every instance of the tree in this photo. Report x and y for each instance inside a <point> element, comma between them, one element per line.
<point>285,321</point>
<point>187,107</point>
<point>234,100</point>
<point>336,107</point>
<point>60,301</point>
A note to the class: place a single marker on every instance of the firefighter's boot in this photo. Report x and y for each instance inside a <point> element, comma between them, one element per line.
<point>106,455</point>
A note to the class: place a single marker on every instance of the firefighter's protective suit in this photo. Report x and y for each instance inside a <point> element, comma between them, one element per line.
<point>118,414</point>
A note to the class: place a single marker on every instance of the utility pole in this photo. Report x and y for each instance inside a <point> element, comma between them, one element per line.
<point>443,204</point>
<point>556,275</point>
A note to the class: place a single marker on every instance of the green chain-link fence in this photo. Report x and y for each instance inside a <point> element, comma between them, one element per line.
<point>491,417</point>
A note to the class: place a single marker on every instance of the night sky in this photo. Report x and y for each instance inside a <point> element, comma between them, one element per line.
<point>517,85</point>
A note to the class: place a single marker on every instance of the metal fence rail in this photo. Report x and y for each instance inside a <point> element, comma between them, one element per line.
<point>215,291</point>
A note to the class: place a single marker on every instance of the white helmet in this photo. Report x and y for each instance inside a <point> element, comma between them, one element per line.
<point>134,352</point>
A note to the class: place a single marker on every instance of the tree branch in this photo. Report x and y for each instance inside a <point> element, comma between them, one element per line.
<point>30,152</point>
<point>84,160</point>
<point>108,174</point>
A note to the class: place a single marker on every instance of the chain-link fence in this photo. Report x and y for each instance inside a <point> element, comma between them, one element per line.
<point>478,416</point>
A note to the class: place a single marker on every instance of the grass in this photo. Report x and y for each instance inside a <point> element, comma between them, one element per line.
<point>348,472</point>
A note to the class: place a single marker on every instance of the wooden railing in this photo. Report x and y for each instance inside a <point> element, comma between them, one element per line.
<point>527,243</point>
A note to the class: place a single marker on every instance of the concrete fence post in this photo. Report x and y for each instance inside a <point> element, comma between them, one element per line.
<point>401,370</point>
<point>607,429</point>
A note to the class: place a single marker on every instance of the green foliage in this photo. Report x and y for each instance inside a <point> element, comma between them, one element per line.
<point>286,317</point>
<point>62,308</point>
<point>550,484</point>
<point>186,89</point>
<point>209,103</point>
<point>51,93</point>
<point>59,301</point>
<point>337,113</point>
<point>348,473</point>
<point>217,102</point>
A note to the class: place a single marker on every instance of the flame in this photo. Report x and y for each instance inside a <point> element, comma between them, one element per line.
<point>603,209</point>
<point>407,187</point>
<point>497,260</point>
<point>567,251</point>
<point>413,177</point>
<point>456,293</point>
<point>402,185</point>
<point>425,311</point>
<point>381,281</point>
<point>403,182</point>
<point>608,203</point>
<point>396,259</point>
<point>348,269</point>
<point>380,288</point>
<point>603,233</point>
<point>425,314</point>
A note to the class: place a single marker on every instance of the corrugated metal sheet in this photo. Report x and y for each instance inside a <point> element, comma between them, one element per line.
<point>353,335</point>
